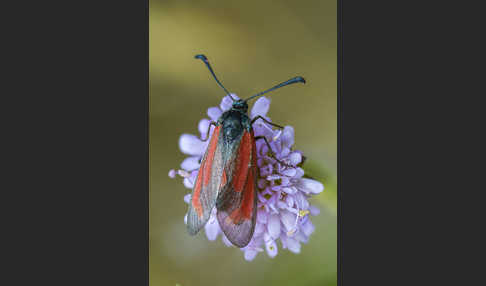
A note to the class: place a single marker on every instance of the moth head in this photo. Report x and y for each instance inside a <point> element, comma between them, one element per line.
<point>240,105</point>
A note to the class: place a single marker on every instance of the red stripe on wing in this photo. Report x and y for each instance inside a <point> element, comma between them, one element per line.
<point>250,188</point>
<point>205,172</point>
<point>237,207</point>
<point>240,173</point>
<point>245,210</point>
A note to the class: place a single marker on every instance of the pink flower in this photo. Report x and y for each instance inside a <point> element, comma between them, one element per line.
<point>283,192</point>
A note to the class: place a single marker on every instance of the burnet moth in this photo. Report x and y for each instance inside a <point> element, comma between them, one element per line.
<point>227,178</point>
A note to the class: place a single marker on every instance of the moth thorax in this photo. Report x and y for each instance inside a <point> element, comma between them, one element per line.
<point>232,127</point>
<point>240,105</point>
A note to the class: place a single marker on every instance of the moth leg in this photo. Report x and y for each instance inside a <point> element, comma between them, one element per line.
<point>262,118</point>
<point>209,129</point>
<point>272,154</point>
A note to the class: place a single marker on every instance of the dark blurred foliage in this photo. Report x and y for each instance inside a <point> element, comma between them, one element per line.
<point>252,45</point>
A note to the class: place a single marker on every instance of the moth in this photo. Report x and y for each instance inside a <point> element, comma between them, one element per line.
<point>228,174</point>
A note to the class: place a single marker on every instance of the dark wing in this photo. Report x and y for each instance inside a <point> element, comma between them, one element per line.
<point>237,202</point>
<point>207,185</point>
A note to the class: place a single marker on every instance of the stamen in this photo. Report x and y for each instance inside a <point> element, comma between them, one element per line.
<point>303,213</point>
<point>291,232</point>
<point>183,173</point>
<point>279,132</point>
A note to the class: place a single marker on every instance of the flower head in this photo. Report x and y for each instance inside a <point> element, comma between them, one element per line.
<point>283,191</point>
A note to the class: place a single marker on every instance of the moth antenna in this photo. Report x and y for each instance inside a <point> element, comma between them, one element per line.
<point>290,81</point>
<point>205,60</point>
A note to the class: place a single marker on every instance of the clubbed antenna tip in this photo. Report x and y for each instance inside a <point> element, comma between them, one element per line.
<point>290,81</point>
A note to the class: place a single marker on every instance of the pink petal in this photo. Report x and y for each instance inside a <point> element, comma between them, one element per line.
<point>261,107</point>
<point>263,129</point>
<point>271,248</point>
<point>259,229</point>
<point>172,173</point>
<point>308,228</point>
<point>295,158</point>
<point>314,210</point>
<point>273,177</point>
<point>293,245</point>
<point>271,205</point>
<point>274,226</point>
<point>254,244</point>
<point>288,220</point>
<point>281,205</point>
<point>300,173</point>
<point>191,145</point>
<point>227,102</point>
<point>290,201</point>
<point>260,161</point>
<point>283,240</point>
<point>276,148</point>
<point>188,183</point>
<point>267,191</point>
<point>203,127</point>
<point>261,146</point>
<point>212,229</point>
<point>262,183</point>
<point>301,201</point>
<point>187,198</point>
<point>285,152</point>
<point>289,190</point>
<point>262,216</point>
<point>190,163</point>
<point>285,181</point>
<point>264,171</point>
<point>301,237</point>
<point>250,254</point>
<point>288,136</point>
<point>258,131</point>
<point>310,186</point>
<point>290,172</point>
<point>261,198</point>
<point>214,113</point>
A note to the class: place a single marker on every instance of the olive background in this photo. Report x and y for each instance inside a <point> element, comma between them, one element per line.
<point>252,45</point>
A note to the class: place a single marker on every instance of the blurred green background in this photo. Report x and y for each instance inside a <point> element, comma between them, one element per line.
<point>252,46</point>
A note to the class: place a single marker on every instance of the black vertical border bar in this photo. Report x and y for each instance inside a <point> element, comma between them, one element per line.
<point>411,218</point>
<point>75,143</point>
<point>147,138</point>
<point>339,139</point>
